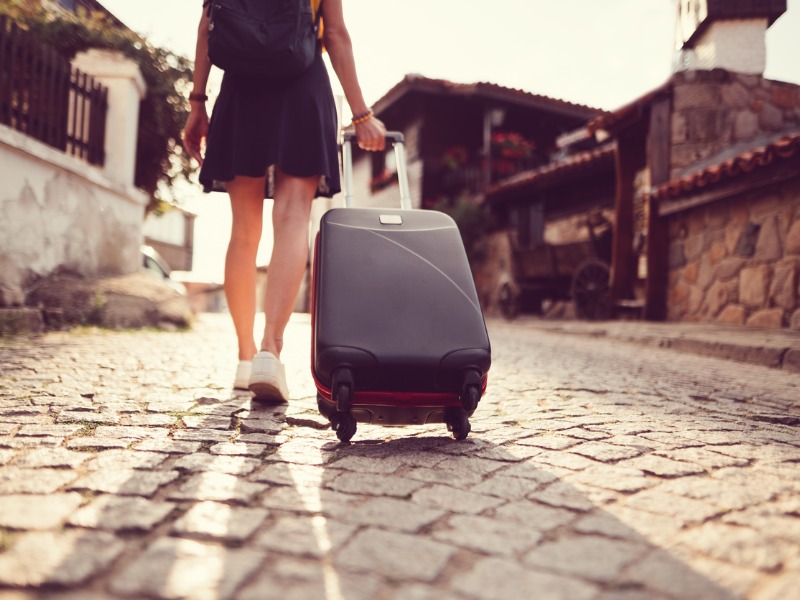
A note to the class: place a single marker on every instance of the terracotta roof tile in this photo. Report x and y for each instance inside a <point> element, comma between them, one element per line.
<point>619,118</point>
<point>480,87</point>
<point>746,162</point>
<point>556,170</point>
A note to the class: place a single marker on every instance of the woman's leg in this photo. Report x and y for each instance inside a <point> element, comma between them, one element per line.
<point>290,220</point>
<point>247,207</point>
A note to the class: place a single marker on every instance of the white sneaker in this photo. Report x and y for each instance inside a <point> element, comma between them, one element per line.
<point>268,378</point>
<point>242,379</point>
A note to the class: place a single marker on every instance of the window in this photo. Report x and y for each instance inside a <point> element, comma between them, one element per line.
<point>384,169</point>
<point>528,220</point>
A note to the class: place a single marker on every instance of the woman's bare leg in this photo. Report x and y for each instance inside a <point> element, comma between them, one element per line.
<point>247,206</point>
<point>290,220</point>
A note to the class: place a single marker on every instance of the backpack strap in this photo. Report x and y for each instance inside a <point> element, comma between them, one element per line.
<point>317,18</point>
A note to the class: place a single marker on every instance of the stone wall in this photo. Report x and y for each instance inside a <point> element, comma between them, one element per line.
<point>738,261</point>
<point>494,269</point>
<point>715,111</point>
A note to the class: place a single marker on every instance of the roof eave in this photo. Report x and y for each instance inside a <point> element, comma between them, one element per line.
<point>549,175</point>
<point>483,91</point>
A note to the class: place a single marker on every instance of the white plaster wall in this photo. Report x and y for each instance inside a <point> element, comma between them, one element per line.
<point>572,228</point>
<point>388,197</point>
<point>362,174</point>
<point>169,227</point>
<point>57,210</point>
<point>735,45</point>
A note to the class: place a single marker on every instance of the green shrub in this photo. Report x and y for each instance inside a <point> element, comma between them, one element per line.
<point>473,220</point>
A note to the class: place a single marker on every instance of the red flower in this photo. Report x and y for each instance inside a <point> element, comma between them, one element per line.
<point>455,157</point>
<point>512,145</point>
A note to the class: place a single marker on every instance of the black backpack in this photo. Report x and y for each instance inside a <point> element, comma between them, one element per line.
<point>265,38</point>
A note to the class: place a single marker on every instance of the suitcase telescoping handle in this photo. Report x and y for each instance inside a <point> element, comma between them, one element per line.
<point>396,139</point>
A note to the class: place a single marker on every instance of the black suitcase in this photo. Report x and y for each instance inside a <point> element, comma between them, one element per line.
<point>398,333</point>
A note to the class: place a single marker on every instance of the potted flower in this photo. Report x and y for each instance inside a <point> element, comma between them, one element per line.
<point>512,145</point>
<point>454,158</point>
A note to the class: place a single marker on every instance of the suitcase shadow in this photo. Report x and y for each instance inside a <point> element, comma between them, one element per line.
<point>441,518</point>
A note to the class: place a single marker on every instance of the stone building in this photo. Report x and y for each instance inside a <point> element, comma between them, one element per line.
<point>731,206</point>
<point>461,138</point>
<point>706,170</point>
<point>734,235</point>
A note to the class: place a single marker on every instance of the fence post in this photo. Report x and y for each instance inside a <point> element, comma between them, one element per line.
<point>126,88</point>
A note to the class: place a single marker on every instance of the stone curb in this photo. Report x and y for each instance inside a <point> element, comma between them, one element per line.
<point>15,321</point>
<point>776,349</point>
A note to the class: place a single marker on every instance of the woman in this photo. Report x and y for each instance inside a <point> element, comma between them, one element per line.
<point>274,139</point>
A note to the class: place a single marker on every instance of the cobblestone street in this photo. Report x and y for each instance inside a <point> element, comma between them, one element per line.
<point>595,470</point>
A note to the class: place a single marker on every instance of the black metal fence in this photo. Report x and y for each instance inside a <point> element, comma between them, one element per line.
<point>42,96</point>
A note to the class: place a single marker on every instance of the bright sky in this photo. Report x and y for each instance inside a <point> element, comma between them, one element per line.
<point>602,53</point>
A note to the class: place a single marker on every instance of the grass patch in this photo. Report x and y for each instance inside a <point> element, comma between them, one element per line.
<point>179,414</point>
<point>87,428</point>
<point>7,539</point>
<point>88,496</point>
<point>269,451</point>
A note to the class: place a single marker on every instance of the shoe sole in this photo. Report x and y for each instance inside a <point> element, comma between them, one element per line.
<point>266,391</point>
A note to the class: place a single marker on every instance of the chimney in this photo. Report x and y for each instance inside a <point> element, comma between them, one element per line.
<point>724,34</point>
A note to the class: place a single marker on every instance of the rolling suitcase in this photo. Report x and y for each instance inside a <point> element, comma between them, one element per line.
<point>398,333</point>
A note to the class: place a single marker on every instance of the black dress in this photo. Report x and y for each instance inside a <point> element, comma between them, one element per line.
<point>256,125</point>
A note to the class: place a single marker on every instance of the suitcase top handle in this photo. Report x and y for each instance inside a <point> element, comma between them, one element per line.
<point>396,139</point>
<point>392,137</point>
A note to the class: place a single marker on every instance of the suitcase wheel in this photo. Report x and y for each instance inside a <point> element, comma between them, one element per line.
<point>342,389</point>
<point>470,391</point>
<point>470,396</point>
<point>458,424</point>
<point>344,424</point>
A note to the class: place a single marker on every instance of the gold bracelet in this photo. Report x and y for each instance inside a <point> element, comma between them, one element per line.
<point>362,118</point>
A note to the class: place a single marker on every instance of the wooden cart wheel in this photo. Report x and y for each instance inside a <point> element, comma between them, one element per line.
<point>591,290</point>
<point>509,302</point>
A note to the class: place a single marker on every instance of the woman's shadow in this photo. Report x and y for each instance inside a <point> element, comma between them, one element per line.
<point>435,518</point>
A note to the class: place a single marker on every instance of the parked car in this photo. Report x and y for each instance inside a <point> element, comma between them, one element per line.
<point>154,264</point>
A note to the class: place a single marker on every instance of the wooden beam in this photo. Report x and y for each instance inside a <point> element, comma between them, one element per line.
<point>658,141</point>
<point>629,158</point>
<point>657,282</point>
<point>657,239</point>
<point>487,147</point>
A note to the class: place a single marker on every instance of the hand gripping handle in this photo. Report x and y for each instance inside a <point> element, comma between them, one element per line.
<point>397,140</point>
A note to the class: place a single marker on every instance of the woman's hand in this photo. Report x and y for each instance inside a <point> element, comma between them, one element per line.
<point>194,134</point>
<point>371,134</point>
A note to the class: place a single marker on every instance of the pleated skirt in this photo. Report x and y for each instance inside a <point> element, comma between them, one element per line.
<point>257,125</point>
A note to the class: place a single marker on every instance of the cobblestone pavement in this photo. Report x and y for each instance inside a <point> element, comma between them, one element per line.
<point>595,470</point>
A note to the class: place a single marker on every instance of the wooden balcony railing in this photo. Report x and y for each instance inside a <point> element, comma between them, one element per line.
<point>471,178</point>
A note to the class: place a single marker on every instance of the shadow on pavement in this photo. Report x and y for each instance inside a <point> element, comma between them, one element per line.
<point>426,517</point>
<point>196,493</point>
<point>276,516</point>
